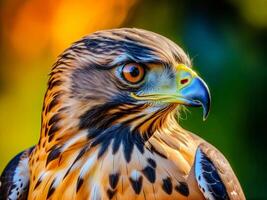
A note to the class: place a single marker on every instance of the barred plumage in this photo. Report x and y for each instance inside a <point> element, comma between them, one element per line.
<point>104,137</point>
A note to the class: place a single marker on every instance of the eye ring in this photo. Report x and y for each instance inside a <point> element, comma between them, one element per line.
<point>133,73</point>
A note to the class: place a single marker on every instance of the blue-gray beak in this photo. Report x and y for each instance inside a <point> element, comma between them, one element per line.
<point>192,89</point>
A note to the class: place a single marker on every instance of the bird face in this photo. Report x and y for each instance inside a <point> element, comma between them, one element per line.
<point>162,86</point>
<point>127,76</point>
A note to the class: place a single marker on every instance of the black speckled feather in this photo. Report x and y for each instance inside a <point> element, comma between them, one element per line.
<point>12,186</point>
<point>208,178</point>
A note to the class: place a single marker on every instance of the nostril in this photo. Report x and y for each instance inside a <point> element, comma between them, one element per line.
<point>184,81</point>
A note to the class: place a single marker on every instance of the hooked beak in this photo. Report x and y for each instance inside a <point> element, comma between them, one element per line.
<point>191,90</point>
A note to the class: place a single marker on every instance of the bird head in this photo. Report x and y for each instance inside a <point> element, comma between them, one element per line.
<point>122,76</point>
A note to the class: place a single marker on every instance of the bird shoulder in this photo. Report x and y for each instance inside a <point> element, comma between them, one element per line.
<point>214,174</point>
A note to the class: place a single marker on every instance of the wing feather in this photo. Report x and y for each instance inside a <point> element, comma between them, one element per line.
<point>14,180</point>
<point>215,175</point>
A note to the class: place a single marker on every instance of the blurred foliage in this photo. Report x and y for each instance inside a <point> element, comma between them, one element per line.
<point>226,39</point>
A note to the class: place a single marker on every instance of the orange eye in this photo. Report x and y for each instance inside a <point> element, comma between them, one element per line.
<point>133,72</point>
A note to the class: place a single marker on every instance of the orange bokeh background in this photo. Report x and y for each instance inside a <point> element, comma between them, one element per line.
<point>32,27</point>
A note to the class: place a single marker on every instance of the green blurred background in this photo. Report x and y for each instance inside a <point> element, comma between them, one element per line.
<point>227,40</point>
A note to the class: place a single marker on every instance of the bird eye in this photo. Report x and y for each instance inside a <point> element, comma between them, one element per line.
<point>133,72</point>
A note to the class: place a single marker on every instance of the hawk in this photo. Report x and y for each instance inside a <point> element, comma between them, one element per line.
<point>110,129</point>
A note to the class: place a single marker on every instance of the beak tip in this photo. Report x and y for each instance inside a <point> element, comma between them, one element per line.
<point>206,110</point>
<point>205,104</point>
<point>205,116</point>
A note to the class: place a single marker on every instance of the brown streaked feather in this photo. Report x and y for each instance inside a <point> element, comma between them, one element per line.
<point>96,142</point>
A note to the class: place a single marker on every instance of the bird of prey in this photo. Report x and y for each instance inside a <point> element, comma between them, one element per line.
<point>110,129</point>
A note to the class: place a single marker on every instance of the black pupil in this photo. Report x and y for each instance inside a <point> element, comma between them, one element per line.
<point>134,71</point>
